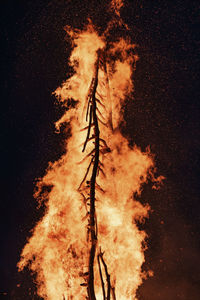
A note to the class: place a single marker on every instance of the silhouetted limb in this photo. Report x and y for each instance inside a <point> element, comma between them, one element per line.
<point>85,128</point>
<point>93,233</point>
<point>101,170</point>
<point>113,293</point>
<point>100,96</point>
<point>93,151</point>
<point>94,116</point>
<point>88,107</point>
<point>104,142</point>
<point>85,200</point>
<point>107,275</point>
<point>89,128</point>
<point>100,114</point>
<point>98,101</point>
<point>101,277</point>
<point>99,188</point>
<point>88,169</point>
<point>103,123</point>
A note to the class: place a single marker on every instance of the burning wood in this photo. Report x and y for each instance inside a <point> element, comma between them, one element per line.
<point>91,204</point>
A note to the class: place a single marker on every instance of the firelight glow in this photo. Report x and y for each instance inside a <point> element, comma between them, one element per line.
<point>59,248</point>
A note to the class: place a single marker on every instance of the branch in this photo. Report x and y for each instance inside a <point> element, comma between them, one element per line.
<point>100,114</point>
<point>100,96</point>
<point>89,128</point>
<point>80,162</point>
<point>86,127</point>
<point>84,200</point>
<point>88,106</point>
<point>104,142</point>
<point>99,188</point>
<point>100,103</point>
<point>113,293</point>
<point>86,216</point>
<point>93,233</point>
<point>101,170</point>
<point>88,169</point>
<point>110,122</point>
<point>102,122</point>
<point>107,275</point>
<point>101,276</point>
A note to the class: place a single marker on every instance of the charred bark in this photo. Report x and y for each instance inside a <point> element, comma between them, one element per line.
<point>93,233</point>
<point>100,255</point>
<point>95,165</point>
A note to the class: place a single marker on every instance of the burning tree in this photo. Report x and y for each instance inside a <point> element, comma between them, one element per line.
<point>88,245</point>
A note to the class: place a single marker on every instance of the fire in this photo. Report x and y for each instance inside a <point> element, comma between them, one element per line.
<point>88,244</point>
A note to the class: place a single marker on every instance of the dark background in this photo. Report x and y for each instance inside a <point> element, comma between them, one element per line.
<point>164,115</point>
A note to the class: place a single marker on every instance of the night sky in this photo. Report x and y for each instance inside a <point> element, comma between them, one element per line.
<point>163,113</point>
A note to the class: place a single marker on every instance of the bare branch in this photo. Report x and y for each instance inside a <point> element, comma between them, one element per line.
<point>86,127</point>
<point>88,169</point>
<point>89,128</point>
<point>101,164</point>
<point>83,284</point>
<point>100,103</point>
<point>102,122</point>
<point>91,138</point>
<point>88,107</point>
<point>99,188</point>
<point>84,200</point>
<point>101,170</point>
<point>104,142</point>
<point>100,114</point>
<point>94,116</point>
<point>86,216</point>
<point>101,277</point>
<point>93,233</point>
<point>100,96</point>
<point>113,293</point>
<point>107,275</point>
<point>105,150</point>
<point>88,155</point>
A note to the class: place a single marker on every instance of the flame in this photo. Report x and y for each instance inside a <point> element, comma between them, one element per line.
<point>58,250</point>
<point>116,5</point>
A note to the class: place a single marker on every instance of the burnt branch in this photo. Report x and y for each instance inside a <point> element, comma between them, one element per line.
<point>110,122</point>
<point>98,101</point>
<point>89,128</point>
<point>86,174</point>
<point>100,96</point>
<point>94,116</point>
<point>100,114</point>
<point>85,128</point>
<point>88,155</point>
<point>93,233</point>
<point>113,293</point>
<point>103,123</point>
<point>101,277</point>
<point>101,170</point>
<point>84,200</point>
<point>107,274</point>
<point>87,112</point>
<point>104,142</point>
<point>99,188</point>
<point>86,216</point>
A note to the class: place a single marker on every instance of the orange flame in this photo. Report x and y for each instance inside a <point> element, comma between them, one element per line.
<point>58,249</point>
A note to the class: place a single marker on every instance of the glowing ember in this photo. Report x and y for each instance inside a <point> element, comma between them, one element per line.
<point>87,245</point>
